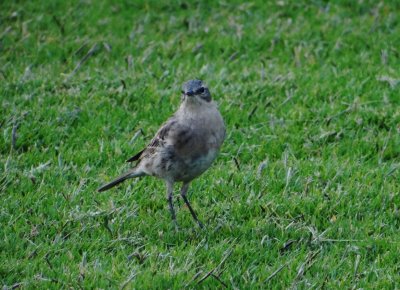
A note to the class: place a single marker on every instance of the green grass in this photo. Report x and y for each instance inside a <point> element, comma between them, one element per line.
<point>310,95</point>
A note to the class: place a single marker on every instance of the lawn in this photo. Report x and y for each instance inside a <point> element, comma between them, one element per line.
<point>305,193</point>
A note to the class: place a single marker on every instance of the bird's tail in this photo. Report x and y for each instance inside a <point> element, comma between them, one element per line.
<point>119,179</point>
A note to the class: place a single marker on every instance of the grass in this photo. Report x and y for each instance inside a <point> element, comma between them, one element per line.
<point>310,94</point>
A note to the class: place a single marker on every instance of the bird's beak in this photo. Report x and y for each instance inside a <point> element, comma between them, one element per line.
<point>189,93</point>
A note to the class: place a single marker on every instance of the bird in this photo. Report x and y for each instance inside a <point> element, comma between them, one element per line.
<point>183,148</point>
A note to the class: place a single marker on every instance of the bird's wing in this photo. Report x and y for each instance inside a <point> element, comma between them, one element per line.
<point>159,140</point>
<point>135,157</point>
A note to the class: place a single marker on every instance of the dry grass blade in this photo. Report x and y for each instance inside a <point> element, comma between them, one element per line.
<point>130,278</point>
<point>219,280</point>
<point>90,53</point>
<point>275,272</point>
<point>237,163</point>
<point>216,268</point>
<point>305,266</point>
<point>14,135</point>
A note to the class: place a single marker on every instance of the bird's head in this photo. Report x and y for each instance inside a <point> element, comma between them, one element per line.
<point>195,90</point>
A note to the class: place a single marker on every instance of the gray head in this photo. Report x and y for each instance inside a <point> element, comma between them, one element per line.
<point>196,89</point>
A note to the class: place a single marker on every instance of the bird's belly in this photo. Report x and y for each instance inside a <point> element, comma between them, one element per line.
<point>196,166</point>
<point>183,168</point>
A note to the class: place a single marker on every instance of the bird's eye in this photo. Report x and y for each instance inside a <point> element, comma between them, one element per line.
<point>182,91</point>
<point>201,90</point>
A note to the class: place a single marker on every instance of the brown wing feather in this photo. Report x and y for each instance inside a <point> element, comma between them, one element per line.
<point>136,157</point>
<point>157,141</point>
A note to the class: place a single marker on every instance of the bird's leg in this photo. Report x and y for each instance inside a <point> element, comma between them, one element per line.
<point>184,190</point>
<point>170,192</point>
